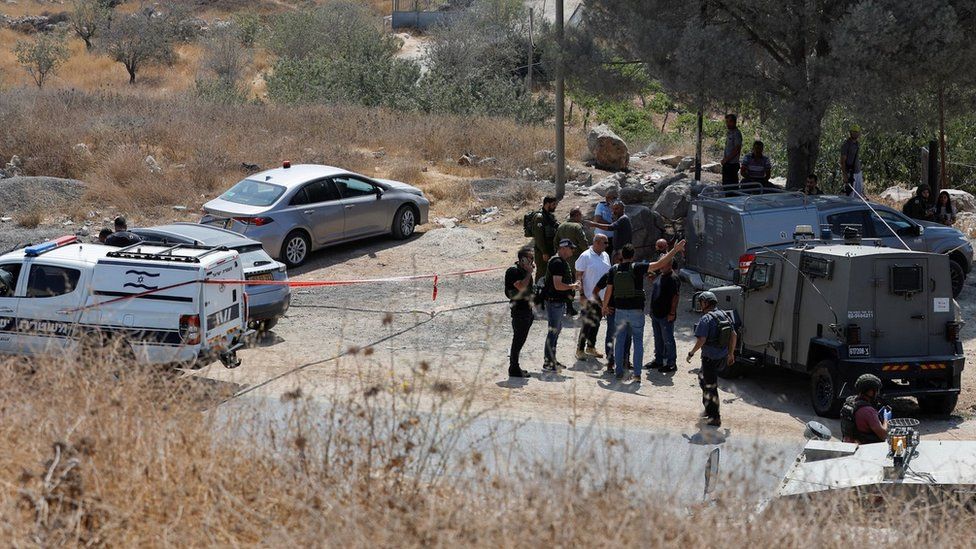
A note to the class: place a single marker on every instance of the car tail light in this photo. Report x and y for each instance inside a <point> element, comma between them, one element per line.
<point>952,331</point>
<point>853,334</point>
<point>190,329</point>
<point>256,221</point>
<point>286,164</point>
<point>745,261</point>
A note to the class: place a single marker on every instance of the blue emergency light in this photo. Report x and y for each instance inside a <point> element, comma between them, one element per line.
<point>34,251</point>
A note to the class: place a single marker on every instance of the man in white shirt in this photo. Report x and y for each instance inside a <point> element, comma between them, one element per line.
<point>592,265</point>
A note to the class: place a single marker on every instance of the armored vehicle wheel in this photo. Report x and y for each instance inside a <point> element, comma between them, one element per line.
<point>823,389</point>
<point>957,275</point>
<point>938,405</point>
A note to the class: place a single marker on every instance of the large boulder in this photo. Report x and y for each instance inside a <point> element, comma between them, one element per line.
<point>712,167</point>
<point>671,160</point>
<point>608,150</point>
<point>961,200</point>
<point>648,228</point>
<point>966,222</point>
<point>897,195</point>
<point>674,201</point>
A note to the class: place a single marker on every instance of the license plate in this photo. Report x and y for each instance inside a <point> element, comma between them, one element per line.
<point>714,282</point>
<point>859,351</point>
<point>263,276</point>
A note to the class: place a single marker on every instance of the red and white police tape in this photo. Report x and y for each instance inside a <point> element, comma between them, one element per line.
<point>295,284</point>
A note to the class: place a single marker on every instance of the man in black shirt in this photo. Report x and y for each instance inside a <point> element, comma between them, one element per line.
<point>560,283</point>
<point>518,289</point>
<point>122,237</point>
<point>664,311</point>
<point>623,229</point>
<point>625,292</point>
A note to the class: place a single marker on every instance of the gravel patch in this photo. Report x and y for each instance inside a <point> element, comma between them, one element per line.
<point>38,194</point>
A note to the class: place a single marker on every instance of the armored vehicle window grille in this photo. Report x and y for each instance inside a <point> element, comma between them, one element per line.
<point>906,279</point>
<point>817,267</point>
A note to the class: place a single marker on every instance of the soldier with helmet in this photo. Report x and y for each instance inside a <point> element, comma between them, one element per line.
<point>861,420</point>
<point>716,337</point>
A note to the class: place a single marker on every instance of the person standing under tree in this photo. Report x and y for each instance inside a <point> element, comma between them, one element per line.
<point>716,338</point>
<point>733,150</point>
<point>850,163</point>
<point>518,289</point>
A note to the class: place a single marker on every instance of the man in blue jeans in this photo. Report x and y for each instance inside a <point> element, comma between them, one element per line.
<point>625,294</point>
<point>560,283</point>
<point>664,311</point>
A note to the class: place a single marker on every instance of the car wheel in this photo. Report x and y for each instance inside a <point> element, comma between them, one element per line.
<point>268,324</point>
<point>823,390</point>
<point>958,277</point>
<point>942,405</point>
<point>294,251</point>
<point>404,222</point>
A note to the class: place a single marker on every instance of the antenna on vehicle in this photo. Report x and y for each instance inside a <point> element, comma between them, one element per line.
<point>876,214</point>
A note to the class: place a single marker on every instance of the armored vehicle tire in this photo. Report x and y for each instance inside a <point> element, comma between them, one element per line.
<point>958,277</point>
<point>823,389</point>
<point>938,405</point>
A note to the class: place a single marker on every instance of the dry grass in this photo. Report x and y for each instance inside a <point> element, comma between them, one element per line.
<point>30,220</point>
<point>95,455</point>
<point>201,146</point>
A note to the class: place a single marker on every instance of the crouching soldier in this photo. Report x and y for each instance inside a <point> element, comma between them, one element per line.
<point>716,338</point>
<point>860,419</point>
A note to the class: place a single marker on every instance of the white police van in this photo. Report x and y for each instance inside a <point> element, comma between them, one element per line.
<point>152,298</point>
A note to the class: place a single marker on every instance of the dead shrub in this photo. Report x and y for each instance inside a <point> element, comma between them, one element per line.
<point>30,220</point>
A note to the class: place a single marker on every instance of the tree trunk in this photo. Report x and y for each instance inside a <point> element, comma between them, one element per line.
<point>132,73</point>
<point>803,143</point>
<point>88,43</point>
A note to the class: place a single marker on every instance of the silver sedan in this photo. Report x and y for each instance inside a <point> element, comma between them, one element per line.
<point>294,210</point>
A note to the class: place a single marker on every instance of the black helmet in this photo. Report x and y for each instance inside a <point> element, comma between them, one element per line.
<point>708,297</point>
<point>867,382</point>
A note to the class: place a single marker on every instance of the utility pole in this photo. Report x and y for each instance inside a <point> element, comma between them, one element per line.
<point>701,116</point>
<point>943,175</point>
<point>560,108</point>
<point>531,61</point>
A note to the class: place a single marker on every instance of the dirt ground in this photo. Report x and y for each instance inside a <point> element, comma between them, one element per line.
<point>467,348</point>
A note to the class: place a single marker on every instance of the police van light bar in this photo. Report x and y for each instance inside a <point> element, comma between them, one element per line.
<point>39,249</point>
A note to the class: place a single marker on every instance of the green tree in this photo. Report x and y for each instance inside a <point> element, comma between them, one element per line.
<point>793,59</point>
<point>143,38</point>
<point>42,56</point>
<point>88,18</point>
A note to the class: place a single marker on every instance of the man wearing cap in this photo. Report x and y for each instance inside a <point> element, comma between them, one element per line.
<point>122,237</point>
<point>716,337</point>
<point>604,215</point>
<point>559,286</point>
<point>625,294</point>
<point>850,162</point>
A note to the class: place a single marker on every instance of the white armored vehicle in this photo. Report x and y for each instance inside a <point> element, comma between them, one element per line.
<point>837,311</point>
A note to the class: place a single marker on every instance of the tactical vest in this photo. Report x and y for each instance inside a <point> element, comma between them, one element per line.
<point>625,284</point>
<point>724,329</point>
<point>848,423</point>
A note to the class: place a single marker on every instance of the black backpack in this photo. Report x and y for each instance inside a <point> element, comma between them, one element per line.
<point>723,335</point>
<point>528,222</point>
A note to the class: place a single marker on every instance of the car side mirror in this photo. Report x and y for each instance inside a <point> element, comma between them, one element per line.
<point>918,230</point>
<point>379,192</point>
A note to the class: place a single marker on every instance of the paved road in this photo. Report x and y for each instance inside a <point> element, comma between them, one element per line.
<point>671,463</point>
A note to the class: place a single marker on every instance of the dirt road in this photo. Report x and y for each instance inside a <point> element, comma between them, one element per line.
<point>468,347</point>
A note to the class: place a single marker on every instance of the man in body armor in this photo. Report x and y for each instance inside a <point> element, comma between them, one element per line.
<point>716,337</point>
<point>860,419</point>
<point>625,293</point>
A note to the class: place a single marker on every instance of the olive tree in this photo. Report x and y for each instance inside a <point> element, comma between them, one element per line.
<point>42,56</point>
<point>88,18</point>
<point>143,38</point>
<point>794,59</point>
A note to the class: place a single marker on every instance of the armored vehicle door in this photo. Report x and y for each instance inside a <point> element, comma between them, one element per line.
<point>901,295</point>
<point>761,305</point>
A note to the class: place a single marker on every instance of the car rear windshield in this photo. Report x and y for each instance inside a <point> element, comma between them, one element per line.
<point>254,257</point>
<point>253,193</point>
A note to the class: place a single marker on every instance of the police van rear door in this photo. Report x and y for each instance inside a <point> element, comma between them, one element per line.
<point>901,297</point>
